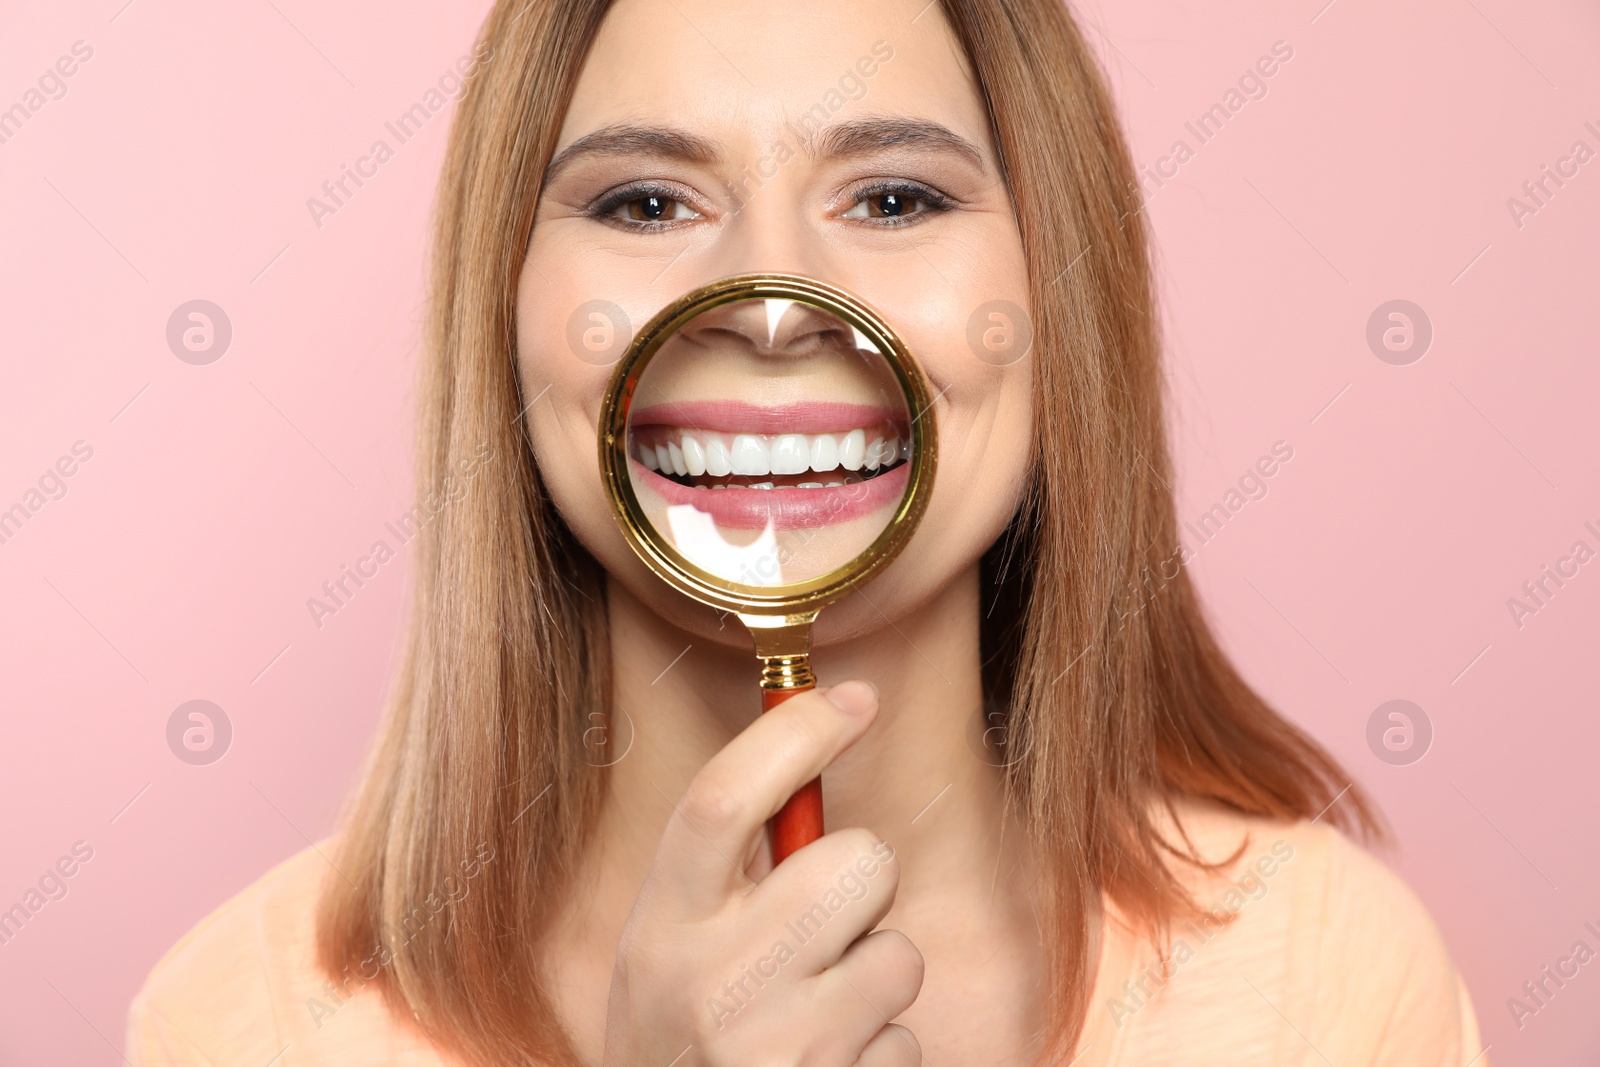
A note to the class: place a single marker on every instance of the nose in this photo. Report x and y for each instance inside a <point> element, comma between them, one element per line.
<point>772,231</point>
<point>771,328</point>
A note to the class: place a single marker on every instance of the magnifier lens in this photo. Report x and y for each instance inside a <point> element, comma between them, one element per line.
<point>769,442</point>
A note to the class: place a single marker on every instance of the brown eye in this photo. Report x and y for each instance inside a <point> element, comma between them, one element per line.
<point>889,205</point>
<point>894,205</point>
<point>655,208</point>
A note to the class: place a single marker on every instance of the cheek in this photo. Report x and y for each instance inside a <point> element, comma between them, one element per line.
<point>562,394</point>
<point>978,349</point>
<point>569,386</point>
<point>985,444</point>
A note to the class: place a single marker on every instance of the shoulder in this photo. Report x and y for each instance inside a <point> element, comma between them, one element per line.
<point>1307,945</point>
<point>212,994</point>
<point>243,987</point>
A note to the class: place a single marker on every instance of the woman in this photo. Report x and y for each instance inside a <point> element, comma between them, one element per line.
<point>1068,832</point>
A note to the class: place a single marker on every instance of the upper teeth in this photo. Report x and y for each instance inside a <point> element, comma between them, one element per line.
<point>698,452</point>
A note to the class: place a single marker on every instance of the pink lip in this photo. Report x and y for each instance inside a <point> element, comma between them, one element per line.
<point>787,509</point>
<point>734,416</point>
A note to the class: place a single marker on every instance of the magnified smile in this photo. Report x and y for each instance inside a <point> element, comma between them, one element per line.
<point>839,461</point>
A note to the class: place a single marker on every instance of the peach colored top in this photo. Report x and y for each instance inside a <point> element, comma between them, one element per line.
<point>1329,958</point>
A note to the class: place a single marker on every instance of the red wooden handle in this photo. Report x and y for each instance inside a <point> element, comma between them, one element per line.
<point>799,821</point>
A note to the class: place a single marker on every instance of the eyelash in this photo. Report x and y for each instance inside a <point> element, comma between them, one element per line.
<point>603,209</point>
<point>932,202</point>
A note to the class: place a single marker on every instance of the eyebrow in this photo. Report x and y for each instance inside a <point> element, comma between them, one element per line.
<point>623,140</point>
<point>870,135</point>
<point>842,140</point>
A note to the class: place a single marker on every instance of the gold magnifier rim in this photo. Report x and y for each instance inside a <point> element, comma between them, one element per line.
<point>799,597</point>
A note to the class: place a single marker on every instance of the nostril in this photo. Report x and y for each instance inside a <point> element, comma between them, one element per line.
<point>771,327</point>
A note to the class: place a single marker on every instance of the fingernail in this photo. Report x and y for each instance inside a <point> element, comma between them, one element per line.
<point>853,698</point>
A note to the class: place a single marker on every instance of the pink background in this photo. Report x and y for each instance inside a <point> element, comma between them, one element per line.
<point>220,497</point>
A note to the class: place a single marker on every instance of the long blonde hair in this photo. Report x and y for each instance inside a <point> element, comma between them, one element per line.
<point>482,751</point>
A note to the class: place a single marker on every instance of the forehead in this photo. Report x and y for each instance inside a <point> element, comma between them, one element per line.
<point>741,71</point>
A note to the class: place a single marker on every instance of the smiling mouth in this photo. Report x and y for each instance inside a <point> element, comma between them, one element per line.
<point>793,465</point>
<point>717,459</point>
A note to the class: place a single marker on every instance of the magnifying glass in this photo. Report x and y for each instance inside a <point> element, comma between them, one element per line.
<point>768,446</point>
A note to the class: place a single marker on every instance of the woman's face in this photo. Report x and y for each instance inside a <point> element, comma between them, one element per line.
<point>841,141</point>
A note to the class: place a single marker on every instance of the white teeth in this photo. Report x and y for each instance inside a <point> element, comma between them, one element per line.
<point>790,454</point>
<point>760,485</point>
<point>694,455</point>
<point>824,453</point>
<point>853,450</point>
<point>718,463</point>
<point>750,455</point>
<point>718,455</point>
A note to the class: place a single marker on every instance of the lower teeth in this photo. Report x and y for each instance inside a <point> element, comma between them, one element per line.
<point>866,476</point>
<point>769,485</point>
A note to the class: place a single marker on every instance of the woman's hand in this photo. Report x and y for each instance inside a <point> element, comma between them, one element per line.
<point>714,970</point>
